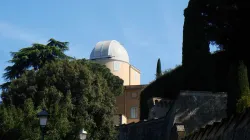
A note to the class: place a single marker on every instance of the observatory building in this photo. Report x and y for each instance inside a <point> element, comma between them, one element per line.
<point>114,56</point>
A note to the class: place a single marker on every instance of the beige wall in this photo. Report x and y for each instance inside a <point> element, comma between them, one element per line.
<point>120,119</point>
<point>122,71</point>
<point>135,76</point>
<point>126,101</point>
<point>129,74</point>
<point>131,77</point>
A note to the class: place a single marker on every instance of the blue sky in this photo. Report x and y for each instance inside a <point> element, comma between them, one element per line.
<point>148,29</point>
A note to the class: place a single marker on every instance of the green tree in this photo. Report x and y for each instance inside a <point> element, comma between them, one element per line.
<point>35,57</point>
<point>158,68</point>
<point>238,94</point>
<point>77,94</point>
<point>243,103</point>
<point>195,51</point>
<point>29,126</point>
<point>226,25</point>
<point>222,23</point>
<point>10,121</point>
<point>244,99</point>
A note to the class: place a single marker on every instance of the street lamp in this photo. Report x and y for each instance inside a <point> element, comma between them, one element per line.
<point>83,134</point>
<point>43,117</point>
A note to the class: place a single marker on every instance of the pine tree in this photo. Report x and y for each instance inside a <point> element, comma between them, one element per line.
<point>158,68</point>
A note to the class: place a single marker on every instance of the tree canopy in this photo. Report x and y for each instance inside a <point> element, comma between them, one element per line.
<point>35,57</point>
<point>76,93</point>
<point>223,23</point>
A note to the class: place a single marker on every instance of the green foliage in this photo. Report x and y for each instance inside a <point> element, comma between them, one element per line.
<point>243,79</point>
<point>158,68</point>
<point>35,57</point>
<point>77,94</point>
<point>209,22</point>
<point>28,126</point>
<point>172,81</point>
<point>19,122</point>
<point>166,86</point>
<point>226,25</point>
<point>196,57</point>
<point>243,103</point>
<point>238,87</point>
<point>222,23</point>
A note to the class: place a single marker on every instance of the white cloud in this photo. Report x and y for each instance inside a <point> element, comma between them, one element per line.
<point>8,30</point>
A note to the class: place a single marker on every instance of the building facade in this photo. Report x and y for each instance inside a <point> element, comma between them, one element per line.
<point>115,57</point>
<point>128,104</point>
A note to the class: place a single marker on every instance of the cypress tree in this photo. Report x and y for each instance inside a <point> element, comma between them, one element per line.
<point>244,98</point>
<point>158,68</point>
<point>243,79</point>
<point>195,50</point>
<point>238,91</point>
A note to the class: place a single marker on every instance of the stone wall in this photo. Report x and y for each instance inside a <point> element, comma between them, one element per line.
<point>235,128</point>
<point>191,111</point>
<point>142,130</point>
<point>157,107</point>
<point>154,129</point>
<point>195,109</point>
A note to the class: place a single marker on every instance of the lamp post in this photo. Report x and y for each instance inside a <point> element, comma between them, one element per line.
<point>83,134</point>
<point>43,117</point>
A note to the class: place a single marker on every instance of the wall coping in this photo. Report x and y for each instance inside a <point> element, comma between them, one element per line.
<point>202,93</point>
<point>144,121</point>
<point>134,86</point>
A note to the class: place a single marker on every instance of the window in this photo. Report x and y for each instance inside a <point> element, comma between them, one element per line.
<point>116,66</point>
<point>133,95</point>
<point>135,76</point>
<point>133,112</point>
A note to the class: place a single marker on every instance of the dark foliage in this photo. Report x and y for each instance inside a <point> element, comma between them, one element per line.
<point>158,68</point>
<point>35,57</point>
<point>166,86</point>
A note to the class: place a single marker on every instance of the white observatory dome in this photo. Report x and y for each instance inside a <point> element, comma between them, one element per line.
<point>109,49</point>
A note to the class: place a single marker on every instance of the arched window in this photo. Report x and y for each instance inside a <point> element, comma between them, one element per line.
<point>133,112</point>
